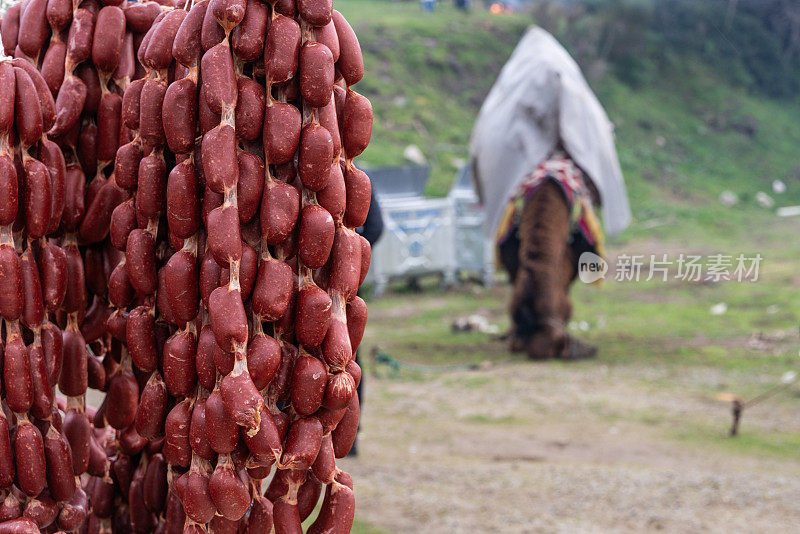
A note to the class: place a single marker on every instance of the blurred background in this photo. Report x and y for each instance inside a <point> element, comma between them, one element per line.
<point>460,435</point>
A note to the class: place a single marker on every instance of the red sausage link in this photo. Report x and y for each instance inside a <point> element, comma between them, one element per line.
<point>74,208</point>
<point>345,432</point>
<point>221,431</point>
<point>316,236</point>
<point>218,153</point>
<point>150,196</point>
<point>339,391</point>
<point>59,14</point>
<point>224,236</point>
<point>154,488</point>
<point>151,103</point>
<point>10,28</point>
<point>309,379</point>
<point>206,371</point>
<point>140,15</point>
<point>53,345</point>
<point>37,198</point>
<point>228,13</point>
<point>324,467</point>
<point>7,471</point>
<point>356,124</point>
<point>247,38</point>
<point>327,35</point>
<point>281,49</point>
<point>108,125</point>
<point>29,450</point>
<point>53,66</point>
<point>180,117</point>
<point>313,316</point>
<point>53,159</point>
<point>338,511</point>
<point>286,518</point>
<point>152,411</point>
<point>126,165</point>
<point>336,347</point>
<point>182,289</point>
<point>91,79</point>
<point>196,499</point>
<point>7,96</point>
<point>73,380</point>
<point>177,450</point>
<point>75,296</point>
<point>250,106</point>
<point>11,507</point>
<point>209,277</point>
<point>33,28</point>
<point>79,40</point>
<point>130,104</point>
<point>141,339</point>
<point>95,225</point>
<point>141,261</point>
<point>158,54</point>
<point>219,78</point>
<point>9,190</point>
<point>42,392</point>
<point>329,119</point>
<point>120,291</point>
<point>250,186</point>
<point>74,512</point>
<point>123,222</point>
<point>60,474</point>
<point>316,73</point>
<point>356,321</point>
<point>180,374</point>
<point>351,62</point>
<point>53,266</point>
<point>22,525</point>
<point>260,518</point>
<point>211,32</point>
<point>228,491</point>
<point>187,48</point>
<point>183,206</point>
<point>315,157</point>
<point>126,68</point>
<point>302,443</point>
<point>308,496</point>
<point>69,104</point>
<point>11,298</point>
<point>315,12</point>
<point>123,399</point>
<point>228,319</point>
<point>359,193</point>
<point>263,359</point>
<point>240,396</point>
<point>281,134</point>
<point>197,432</point>
<point>334,197</point>
<point>42,510</point>
<point>273,289</point>
<point>28,111</point>
<point>345,264</point>
<point>109,36</point>
<point>42,92</point>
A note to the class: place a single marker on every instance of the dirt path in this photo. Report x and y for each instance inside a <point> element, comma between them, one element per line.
<point>553,448</point>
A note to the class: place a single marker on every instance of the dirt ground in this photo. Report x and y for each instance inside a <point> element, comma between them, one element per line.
<point>549,447</point>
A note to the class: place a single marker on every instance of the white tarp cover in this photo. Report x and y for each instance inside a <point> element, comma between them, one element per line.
<point>539,100</point>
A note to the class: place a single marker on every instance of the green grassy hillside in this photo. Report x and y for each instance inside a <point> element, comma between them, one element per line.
<point>682,139</point>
